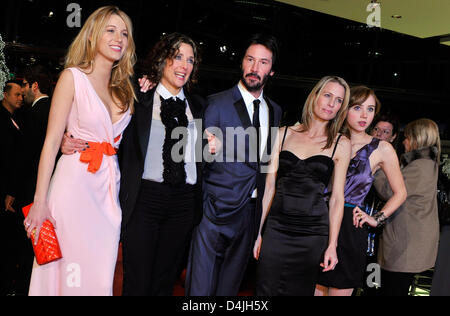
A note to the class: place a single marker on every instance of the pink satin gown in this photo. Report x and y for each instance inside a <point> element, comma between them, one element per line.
<point>85,205</point>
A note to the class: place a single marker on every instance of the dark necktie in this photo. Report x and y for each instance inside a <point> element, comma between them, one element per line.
<point>176,106</point>
<point>173,115</point>
<point>257,125</point>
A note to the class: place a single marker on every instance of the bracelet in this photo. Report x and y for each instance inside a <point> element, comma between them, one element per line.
<point>380,218</point>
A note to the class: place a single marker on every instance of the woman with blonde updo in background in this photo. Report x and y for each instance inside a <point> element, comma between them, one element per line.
<point>409,243</point>
<point>93,100</point>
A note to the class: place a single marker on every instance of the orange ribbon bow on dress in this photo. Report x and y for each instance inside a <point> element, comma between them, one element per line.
<point>94,154</point>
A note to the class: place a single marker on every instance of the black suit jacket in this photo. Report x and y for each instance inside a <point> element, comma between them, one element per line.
<point>133,151</point>
<point>228,185</point>
<point>10,142</point>
<point>35,120</point>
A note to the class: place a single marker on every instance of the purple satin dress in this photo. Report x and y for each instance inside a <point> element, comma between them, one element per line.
<point>359,175</point>
<point>352,244</point>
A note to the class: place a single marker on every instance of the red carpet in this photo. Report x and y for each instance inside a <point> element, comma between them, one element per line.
<point>179,286</point>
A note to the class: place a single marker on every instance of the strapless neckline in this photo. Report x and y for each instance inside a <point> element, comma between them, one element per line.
<point>307,159</point>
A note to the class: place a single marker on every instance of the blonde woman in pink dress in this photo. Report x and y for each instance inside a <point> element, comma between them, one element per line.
<point>93,100</point>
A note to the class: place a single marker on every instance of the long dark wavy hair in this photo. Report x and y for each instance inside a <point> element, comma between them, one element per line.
<point>166,49</point>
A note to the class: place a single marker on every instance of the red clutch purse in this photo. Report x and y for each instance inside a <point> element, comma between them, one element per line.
<point>47,249</point>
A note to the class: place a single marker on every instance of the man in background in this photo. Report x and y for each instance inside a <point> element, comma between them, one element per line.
<point>10,132</point>
<point>37,88</point>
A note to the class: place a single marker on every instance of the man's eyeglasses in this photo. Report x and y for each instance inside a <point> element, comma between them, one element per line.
<point>384,131</point>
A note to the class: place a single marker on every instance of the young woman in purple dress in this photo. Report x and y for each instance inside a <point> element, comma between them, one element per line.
<point>369,154</point>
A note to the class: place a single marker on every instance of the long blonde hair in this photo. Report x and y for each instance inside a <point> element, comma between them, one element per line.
<point>335,125</point>
<point>424,133</point>
<point>83,50</point>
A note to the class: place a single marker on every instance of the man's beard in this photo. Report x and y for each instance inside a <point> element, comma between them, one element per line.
<point>28,99</point>
<point>257,86</point>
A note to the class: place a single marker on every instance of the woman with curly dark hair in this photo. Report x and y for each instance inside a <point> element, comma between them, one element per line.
<point>161,181</point>
<point>168,48</point>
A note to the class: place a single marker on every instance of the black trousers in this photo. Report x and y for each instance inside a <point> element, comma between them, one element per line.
<point>219,255</point>
<point>16,267</point>
<point>395,283</point>
<point>441,279</point>
<point>156,238</point>
<point>7,263</point>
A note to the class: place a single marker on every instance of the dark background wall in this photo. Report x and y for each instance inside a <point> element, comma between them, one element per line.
<point>410,75</point>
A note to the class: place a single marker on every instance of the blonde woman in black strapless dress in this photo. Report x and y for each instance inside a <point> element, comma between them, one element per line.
<point>301,232</point>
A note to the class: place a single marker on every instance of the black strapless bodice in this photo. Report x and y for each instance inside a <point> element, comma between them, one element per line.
<point>299,204</point>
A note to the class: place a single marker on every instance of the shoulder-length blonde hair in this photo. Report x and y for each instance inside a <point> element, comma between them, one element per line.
<point>424,133</point>
<point>83,50</point>
<point>335,125</point>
